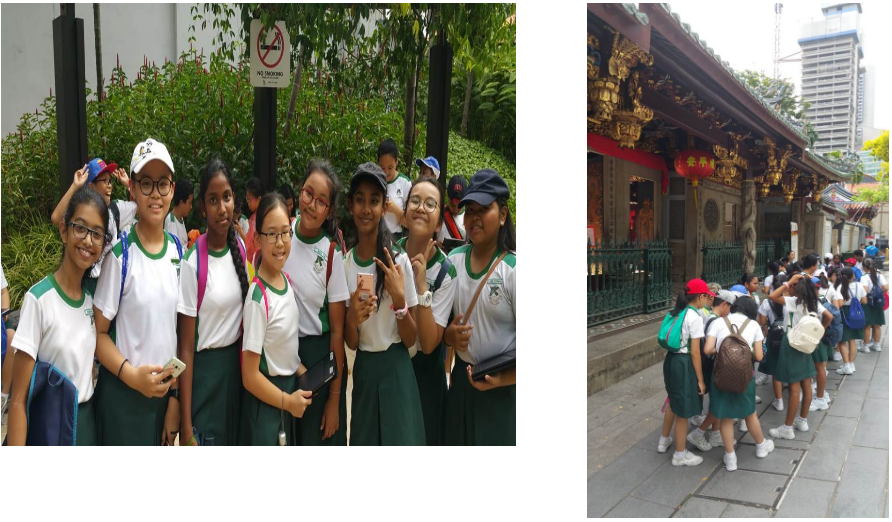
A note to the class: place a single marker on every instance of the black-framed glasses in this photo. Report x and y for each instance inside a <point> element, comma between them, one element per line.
<point>429,204</point>
<point>146,186</point>
<point>273,237</point>
<point>81,232</point>
<point>107,181</point>
<point>309,199</point>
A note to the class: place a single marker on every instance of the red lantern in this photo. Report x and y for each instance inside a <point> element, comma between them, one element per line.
<point>695,165</point>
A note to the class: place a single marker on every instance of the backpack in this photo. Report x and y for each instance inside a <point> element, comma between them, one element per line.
<point>116,213</point>
<point>775,336</point>
<point>858,273</point>
<point>51,407</point>
<point>733,364</point>
<point>201,247</point>
<point>833,332</point>
<point>876,299</point>
<point>807,333</point>
<point>263,365</point>
<point>854,320</point>
<point>669,336</point>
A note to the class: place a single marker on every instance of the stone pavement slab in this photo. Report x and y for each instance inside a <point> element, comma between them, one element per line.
<point>701,508</point>
<point>671,485</point>
<point>741,511</point>
<point>827,455</point>
<point>850,399</point>
<point>632,507</point>
<point>806,498</point>
<point>879,386</point>
<point>861,491</point>
<point>873,428</point>
<point>780,461</point>
<point>617,480</point>
<point>745,486</point>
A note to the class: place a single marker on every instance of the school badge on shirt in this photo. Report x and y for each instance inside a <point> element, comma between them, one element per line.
<point>319,263</point>
<point>495,291</point>
<point>176,263</point>
<point>89,312</point>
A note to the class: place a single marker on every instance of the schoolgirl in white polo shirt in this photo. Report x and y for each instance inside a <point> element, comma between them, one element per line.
<point>210,318</point>
<point>316,265</point>
<point>484,412</point>
<point>386,408</point>
<point>56,324</point>
<point>133,406</point>
<point>271,360</point>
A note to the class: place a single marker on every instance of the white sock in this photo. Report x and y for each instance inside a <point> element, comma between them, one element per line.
<point>732,453</point>
<point>679,455</point>
<point>699,431</point>
<point>664,440</point>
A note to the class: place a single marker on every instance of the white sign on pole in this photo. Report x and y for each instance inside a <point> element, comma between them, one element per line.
<point>794,239</point>
<point>270,56</point>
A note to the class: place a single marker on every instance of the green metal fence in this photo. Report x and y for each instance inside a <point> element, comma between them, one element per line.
<point>627,279</point>
<point>722,262</point>
<point>764,254</point>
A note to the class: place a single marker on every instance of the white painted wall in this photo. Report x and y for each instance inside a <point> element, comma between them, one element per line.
<point>27,73</point>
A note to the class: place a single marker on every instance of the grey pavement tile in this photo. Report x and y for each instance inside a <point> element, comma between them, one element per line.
<point>618,479</point>
<point>825,459</point>
<point>850,399</point>
<point>781,461</point>
<point>740,511</point>
<point>860,494</point>
<point>606,412</point>
<point>873,427</point>
<point>879,385</point>
<point>806,498</point>
<point>632,507</point>
<point>603,453</point>
<point>745,486</point>
<point>701,508</point>
<point>670,485</point>
<point>773,418</point>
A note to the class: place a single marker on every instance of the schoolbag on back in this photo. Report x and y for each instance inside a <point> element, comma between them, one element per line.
<point>733,364</point>
<point>875,298</point>
<point>833,332</point>
<point>854,319</point>
<point>670,331</point>
<point>806,335</point>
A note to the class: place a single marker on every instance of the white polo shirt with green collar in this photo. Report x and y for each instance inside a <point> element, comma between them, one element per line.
<point>398,192</point>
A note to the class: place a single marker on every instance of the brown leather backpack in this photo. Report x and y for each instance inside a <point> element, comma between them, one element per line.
<point>733,364</point>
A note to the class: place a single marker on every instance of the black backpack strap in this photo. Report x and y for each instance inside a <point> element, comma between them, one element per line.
<point>444,268</point>
<point>116,213</point>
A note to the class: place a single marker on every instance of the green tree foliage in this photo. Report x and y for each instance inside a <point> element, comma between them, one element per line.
<point>879,193</point>
<point>785,101</point>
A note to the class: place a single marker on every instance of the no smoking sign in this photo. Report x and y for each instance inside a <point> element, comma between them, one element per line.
<point>270,55</point>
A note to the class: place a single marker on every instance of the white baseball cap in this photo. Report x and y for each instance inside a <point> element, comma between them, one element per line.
<point>147,151</point>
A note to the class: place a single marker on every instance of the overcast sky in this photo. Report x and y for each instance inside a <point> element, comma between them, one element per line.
<point>743,34</point>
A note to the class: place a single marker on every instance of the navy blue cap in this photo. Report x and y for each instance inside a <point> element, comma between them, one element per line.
<point>369,171</point>
<point>431,162</point>
<point>485,187</point>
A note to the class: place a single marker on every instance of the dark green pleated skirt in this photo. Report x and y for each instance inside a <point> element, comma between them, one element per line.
<point>793,365</point>
<point>85,434</point>
<point>476,418</point>
<point>261,422</point>
<point>681,385</point>
<point>727,405</point>
<point>312,350</point>
<point>217,395</point>
<point>124,416</point>
<point>822,353</point>
<point>874,316</point>
<point>386,409</point>
<point>769,359</point>
<point>849,334</point>
<point>430,373</point>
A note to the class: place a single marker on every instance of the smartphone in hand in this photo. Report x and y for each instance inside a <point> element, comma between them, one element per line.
<point>366,285</point>
<point>178,367</point>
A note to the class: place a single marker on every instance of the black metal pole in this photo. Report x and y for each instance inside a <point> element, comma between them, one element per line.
<point>265,136</point>
<point>71,94</point>
<point>438,106</point>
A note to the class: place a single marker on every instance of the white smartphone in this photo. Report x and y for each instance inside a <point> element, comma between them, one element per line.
<point>178,367</point>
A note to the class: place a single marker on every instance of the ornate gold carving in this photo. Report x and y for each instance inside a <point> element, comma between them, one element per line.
<point>729,161</point>
<point>594,70</point>
<point>820,184</point>
<point>789,186</point>
<point>603,98</point>
<point>763,186</point>
<point>625,56</point>
<point>777,161</point>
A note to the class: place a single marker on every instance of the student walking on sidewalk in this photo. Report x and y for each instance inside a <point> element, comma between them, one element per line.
<point>851,289</point>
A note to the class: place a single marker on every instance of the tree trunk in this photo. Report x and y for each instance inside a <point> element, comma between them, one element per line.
<point>295,90</point>
<point>467,106</point>
<point>409,120</point>
<point>748,222</point>
<point>97,32</point>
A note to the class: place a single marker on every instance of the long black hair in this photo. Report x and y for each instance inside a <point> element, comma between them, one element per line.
<point>433,181</point>
<point>213,168</point>
<point>806,294</point>
<point>774,267</point>
<point>87,196</point>
<point>843,278</point>
<point>776,308</point>
<point>320,166</point>
<point>268,202</point>
<point>507,236</point>
<point>288,193</point>
<point>384,241</point>
<point>871,267</point>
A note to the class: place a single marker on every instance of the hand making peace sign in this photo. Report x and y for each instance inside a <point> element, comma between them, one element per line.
<point>393,281</point>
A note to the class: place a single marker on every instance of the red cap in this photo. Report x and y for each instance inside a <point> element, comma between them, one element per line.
<point>697,286</point>
<point>851,260</point>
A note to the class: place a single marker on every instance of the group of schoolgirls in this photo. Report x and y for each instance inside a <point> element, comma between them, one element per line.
<point>247,331</point>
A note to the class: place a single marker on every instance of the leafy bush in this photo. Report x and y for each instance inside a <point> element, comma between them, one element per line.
<point>28,257</point>
<point>467,157</point>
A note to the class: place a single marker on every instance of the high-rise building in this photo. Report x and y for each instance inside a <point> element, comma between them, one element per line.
<point>831,70</point>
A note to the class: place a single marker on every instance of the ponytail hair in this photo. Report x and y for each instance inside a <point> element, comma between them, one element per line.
<point>773,267</point>
<point>806,295</point>
<point>825,283</point>
<point>843,279</point>
<point>213,168</point>
<point>871,267</point>
<point>681,302</point>
<point>268,202</point>
<point>776,308</point>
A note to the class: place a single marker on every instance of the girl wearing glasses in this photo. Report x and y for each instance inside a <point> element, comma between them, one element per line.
<point>139,291</point>
<point>435,293</point>
<point>270,357</point>
<point>56,324</point>
<point>316,265</point>
<point>381,324</point>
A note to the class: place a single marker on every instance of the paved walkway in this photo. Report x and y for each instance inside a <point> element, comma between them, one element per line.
<point>839,468</point>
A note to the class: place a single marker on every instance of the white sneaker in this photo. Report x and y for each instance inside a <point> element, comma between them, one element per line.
<point>762,379</point>
<point>742,426</point>
<point>876,347</point>
<point>864,348</point>
<point>837,356</point>
<point>762,450</point>
<point>782,432</point>
<point>800,424</point>
<point>758,401</point>
<point>697,420</point>
<point>715,439</point>
<point>852,367</point>
<point>689,459</point>
<point>699,440</point>
<point>778,404</point>
<point>845,369</point>
<point>730,461</point>
<point>818,404</point>
<point>661,448</point>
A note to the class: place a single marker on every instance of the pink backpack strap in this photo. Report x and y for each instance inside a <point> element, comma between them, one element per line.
<point>262,291</point>
<point>293,288</point>
<point>201,247</point>
<point>241,249</point>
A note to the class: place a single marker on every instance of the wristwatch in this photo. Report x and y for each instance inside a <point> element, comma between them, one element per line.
<point>400,314</point>
<point>425,299</point>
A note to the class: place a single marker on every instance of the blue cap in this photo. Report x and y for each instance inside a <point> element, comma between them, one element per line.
<point>740,289</point>
<point>816,280</point>
<point>97,167</point>
<point>431,162</point>
<point>485,187</point>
